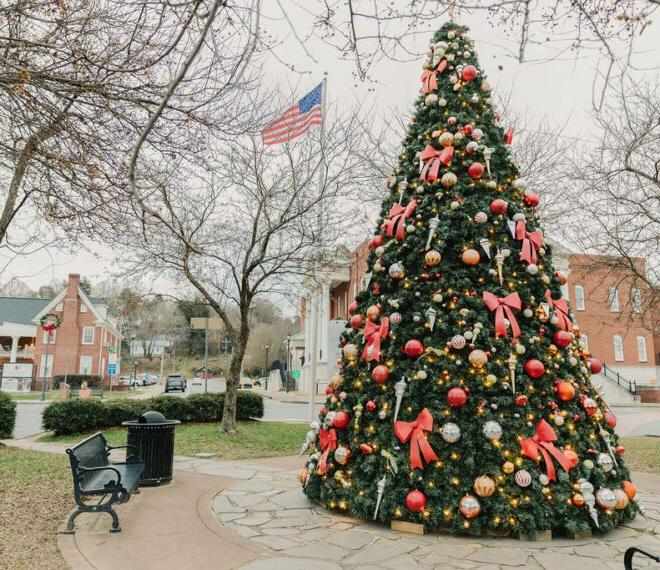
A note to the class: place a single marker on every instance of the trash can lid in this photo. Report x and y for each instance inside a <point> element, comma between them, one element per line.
<point>152,417</point>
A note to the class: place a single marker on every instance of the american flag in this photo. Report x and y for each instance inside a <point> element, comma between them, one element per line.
<point>297,119</point>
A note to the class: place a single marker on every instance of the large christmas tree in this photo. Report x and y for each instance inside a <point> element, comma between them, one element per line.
<point>464,398</point>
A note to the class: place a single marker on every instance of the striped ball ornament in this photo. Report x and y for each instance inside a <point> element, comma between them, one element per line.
<point>523,478</point>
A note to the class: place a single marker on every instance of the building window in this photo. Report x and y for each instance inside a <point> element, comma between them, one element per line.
<point>618,348</point>
<point>85,364</point>
<point>579,297</point>
<point>53,336</point>
<point>83,307</point>
<point>46,366</point>
<point>614,300</point>
<point>584,341</point>
<point>641,349</point>
<point>636,297</point>
<point>88,335</point>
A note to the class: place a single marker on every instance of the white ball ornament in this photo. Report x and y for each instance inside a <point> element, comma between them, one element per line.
<point>382,414</point>
<point>455,205</point>
<point>457,341</point>
<point>315,425</point>
<point>458,137</point>
<point>520,349</point>
<point>395,318</point>
<point>410,228</point>
<point>528,313</point>
<point>442,102</point>
<point>457,87</point>
<point>468,334</point>
<point>453,79</point>
<point>421,375</point>
<point>475,98</point>
<point>472,147</point>
<point>397,271</point>
<point>448,179</point>
<point>492,184</point>
<point>519,183</point>
<point>544,479</point>
<point>605,498</point>
<point>450,57</point>
<point>431,99</point>
<point>519,217</point>
<point>522,478</point>
<point>380,250</point>
<point>466,54</point>
<point>481,217</point>
<point>605,462</point>
<point>451,34</point>
<point>477,134</point>
<point>330,417</point>
<point>559,420</point>
<point>485,86</point>
<point>492,430</point>
<point>311,436</point>
<point>451,433</point>
<point>532,269</point>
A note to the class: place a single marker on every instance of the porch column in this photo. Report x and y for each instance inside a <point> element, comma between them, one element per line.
<point>14,348</point>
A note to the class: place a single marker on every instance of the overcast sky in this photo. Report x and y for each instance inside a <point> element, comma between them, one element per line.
<point>560,90</point>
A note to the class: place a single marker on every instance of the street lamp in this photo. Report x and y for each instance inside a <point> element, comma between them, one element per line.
<point>266,367</point>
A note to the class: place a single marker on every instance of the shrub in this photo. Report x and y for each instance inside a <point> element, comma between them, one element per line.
<point>7,415</point>
<point>77,416</point>
<point>76,380</point>
<point>118,411</point>
<point>74,416</point>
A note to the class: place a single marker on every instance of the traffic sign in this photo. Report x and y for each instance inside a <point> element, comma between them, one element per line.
<point>112,368</point>
<point>296,374</point>
<point>200,323</point>
<point>112,358</point>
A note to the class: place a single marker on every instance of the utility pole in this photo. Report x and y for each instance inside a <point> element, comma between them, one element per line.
<point>266,371</point>
<point>206,355</point>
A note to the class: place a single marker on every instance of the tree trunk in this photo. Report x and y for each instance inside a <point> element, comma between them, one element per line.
<point>228,424</point>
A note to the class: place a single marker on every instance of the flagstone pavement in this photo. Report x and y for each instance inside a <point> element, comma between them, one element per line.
<point>253,515</point>
<point>268,508</point>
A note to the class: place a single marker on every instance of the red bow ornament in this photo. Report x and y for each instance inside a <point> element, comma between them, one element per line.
<point>504,306</point>
<point>430,79</point>
<point>430,161</point>
<point>419,445</point>
<point>561,311</point>
<point>395,225</point>
<point>328,440</point>
<point>541,442</point>
<point>49,327</point>
<point>508,136</point>
<point>532,241</point>
<point>373,334</point>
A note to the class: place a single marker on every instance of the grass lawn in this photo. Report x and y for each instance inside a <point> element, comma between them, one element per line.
<point>642,453</point>
<point>35,496</point>
<point>254,439</point>
<point>54,395</point>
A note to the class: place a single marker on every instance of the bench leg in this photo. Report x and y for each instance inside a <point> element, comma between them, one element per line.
<point>115,520</point>
<point>70,524</point>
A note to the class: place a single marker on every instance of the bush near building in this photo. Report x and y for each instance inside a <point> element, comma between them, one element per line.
<point>7,415</point>
<point>79,416</point>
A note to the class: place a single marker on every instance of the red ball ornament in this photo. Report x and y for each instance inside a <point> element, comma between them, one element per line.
<point>610,418</point>
<point>534,368</point>
<point>456,397</point>
<point>562,338</point>
<point>467,129</point>
<point>476,170</point>
<point>328,390</point>
<point>370,405</point>
<point>619,450</point>
<point>366,449</point>
<point>531,199</point>
<point>571,456</point>
<point>356,321</point>
<point>415,501</point>
<point>469,73</point>
<point>341,420</point>
<point>414,348</point>
<point>323,411</point>
<point>380,374</point>
<point>498,206</point>
<point>596,365</point>
<point>562,277</point>
<point>521,400</point>
<point>565,391</point>
<point>353,307</point>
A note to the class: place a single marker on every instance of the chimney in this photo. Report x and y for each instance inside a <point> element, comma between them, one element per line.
<point>72,286</point>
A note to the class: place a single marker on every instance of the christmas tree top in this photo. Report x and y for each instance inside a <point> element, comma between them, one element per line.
<point>463,398</point>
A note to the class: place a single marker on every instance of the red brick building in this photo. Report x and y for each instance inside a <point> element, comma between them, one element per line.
<point>610,310</point>
<point>84,340</point>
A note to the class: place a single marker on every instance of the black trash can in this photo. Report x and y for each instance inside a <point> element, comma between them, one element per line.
<point>153,437</point>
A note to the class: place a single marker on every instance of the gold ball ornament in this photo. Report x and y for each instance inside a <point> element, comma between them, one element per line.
<point>469,507</point>
<point>350,351</point>
<point>577,500</point>
<point>373,312</point>
<point>508,467</point>
<point>621,499</point>
<point>446,139</point>
<point>302,475</point>
<point>336,381</point>
<point>432,258</point>
<point>470,257</point>
<point>484,486</point>
<point>478,358</point>
<point>448,179</point>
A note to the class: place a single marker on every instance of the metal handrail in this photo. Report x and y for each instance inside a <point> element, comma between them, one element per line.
<point>629,385</point>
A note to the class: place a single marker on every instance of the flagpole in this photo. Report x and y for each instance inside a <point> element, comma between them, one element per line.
<point>317,311</point>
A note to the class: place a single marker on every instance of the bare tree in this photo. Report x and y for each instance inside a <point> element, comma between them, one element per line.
<point>616,192</point>
<point>245,226</point>
<point>80,79</point>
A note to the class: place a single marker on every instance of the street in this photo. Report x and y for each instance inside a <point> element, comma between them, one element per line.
<point>641,420</point>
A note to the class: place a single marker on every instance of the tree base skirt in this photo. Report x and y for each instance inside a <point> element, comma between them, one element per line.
<point>540,535</point>
<point>411,528</point>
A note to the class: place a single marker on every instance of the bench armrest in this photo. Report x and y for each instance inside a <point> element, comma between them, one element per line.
<point>130,458</point>
<point>102,468</point>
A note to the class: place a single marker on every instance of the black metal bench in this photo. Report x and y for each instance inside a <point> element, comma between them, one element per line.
<point>94,475</point>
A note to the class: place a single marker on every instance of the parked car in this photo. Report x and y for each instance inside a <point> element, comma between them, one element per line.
<point>245,384</point>
<point>175,383</point>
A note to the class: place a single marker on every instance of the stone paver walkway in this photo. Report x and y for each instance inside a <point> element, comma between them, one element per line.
<point>268,508</point>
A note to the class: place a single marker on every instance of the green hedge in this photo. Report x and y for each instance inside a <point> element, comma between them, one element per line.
<point>7,415</point>
<point>79,416</point>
